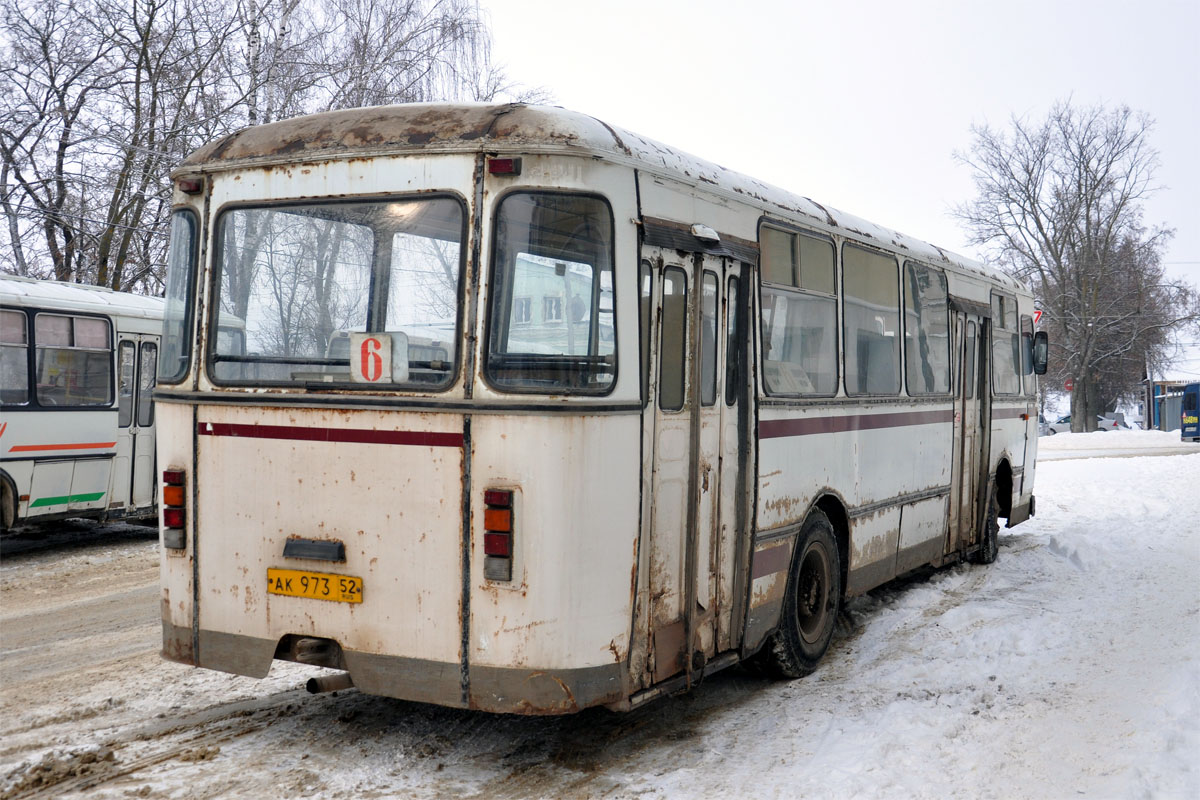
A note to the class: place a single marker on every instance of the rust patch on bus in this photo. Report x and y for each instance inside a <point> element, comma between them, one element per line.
<point>379,127</point>
<point>787,507</point>
<point>767,589</point>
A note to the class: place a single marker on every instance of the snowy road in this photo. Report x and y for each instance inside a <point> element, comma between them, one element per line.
<point>1071,667</point>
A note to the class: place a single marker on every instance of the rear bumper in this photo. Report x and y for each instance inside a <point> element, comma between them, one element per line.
<point>484,688</point>
<point>1022,512</point>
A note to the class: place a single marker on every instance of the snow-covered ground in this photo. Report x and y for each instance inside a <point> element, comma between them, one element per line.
<point>1069,668</point>
<point>1121,443</point>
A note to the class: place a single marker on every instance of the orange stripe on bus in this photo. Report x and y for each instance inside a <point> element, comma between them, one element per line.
<point>37,448</point>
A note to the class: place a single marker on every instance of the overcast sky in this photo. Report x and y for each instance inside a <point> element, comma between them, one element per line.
<point>862,104</point>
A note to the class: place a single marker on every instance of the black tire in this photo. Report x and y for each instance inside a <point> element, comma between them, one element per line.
<point>990,547</point>
<point>810,604</point>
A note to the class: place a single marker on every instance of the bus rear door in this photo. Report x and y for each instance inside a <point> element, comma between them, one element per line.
<point>694,526</point>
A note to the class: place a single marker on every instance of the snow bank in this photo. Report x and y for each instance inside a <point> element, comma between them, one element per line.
<point>1108,440</point>
<point>1112,443</point>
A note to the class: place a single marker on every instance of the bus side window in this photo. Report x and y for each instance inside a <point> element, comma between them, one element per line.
<point>672,352</point>
<point>147,370</point>
<point>798,294</point>
<point>1027,377</point>
<point>646,283</point>
<point>1006,346</point>
<point>709,303</point>
<point>74,360</point>
<point>872,322</point>
<point>969,362</point>
<point>732,339</point>
<point>14,359</point>
<point>926,330</point>
<point>124,384</point>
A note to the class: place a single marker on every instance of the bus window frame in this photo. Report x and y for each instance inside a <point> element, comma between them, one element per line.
<point>645,325</point>
<point>30,382</point>
<point>1028,378</point>
<point>490,307</point>
<point>35,403</point>
<point>904,265</point>
<point>213,309</point>
<point>756,319</point>
<point>998,327</point>
<point>188,340</point>
<point>684,383</point>
<point>900,358</point>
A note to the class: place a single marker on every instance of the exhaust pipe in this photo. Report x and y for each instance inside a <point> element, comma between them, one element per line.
<point>329,683</point>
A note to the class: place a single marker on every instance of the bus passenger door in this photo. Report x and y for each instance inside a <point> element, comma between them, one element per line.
<point>688,568</point>
<point>969,434</point>
<point>132,478</point>
<point>144,484</point>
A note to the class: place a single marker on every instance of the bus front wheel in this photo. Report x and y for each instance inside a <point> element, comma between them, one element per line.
<point>989,549</point>
<point>810,603</point>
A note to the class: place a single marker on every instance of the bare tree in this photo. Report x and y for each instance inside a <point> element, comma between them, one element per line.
<point>1059,204</point>
<point>60,65</point>
<point>169,47</point>
<point>102,99</point>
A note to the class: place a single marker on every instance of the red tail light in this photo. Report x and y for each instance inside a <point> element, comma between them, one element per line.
<point>497,544</point>
<point>174,502</point>
<point>497,534</point>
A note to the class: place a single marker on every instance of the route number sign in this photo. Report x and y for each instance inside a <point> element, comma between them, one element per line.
<point>371,357</point>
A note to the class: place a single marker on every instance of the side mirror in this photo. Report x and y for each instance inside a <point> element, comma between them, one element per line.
<point>1041,352</point>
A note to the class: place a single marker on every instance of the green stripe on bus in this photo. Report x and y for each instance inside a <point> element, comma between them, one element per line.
<point>65,499</point>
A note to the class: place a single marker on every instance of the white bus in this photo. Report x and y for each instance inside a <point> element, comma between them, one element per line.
<point>77,368</point>
<point>535,414</point>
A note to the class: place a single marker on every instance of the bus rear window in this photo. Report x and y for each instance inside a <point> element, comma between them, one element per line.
<point>551,326</point>
<point>353,294</point>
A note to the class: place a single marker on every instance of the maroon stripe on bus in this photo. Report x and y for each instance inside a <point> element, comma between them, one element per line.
<point>803,426</point>
<point>351,435</point>
<point>1009,413</point>
<point>770,560</point>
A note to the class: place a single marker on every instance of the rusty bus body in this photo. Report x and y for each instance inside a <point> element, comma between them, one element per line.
<point>596,392</point>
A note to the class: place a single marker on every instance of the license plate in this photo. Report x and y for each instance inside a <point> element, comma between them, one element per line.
<point>317,585</point>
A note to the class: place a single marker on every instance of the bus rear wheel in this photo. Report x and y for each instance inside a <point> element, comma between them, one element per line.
<point>810,603</point>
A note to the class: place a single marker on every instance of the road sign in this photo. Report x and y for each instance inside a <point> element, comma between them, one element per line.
<point>1069,384</point>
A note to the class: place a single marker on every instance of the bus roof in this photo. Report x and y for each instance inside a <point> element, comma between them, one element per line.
<point>521,128</point>
<point>62,296</point>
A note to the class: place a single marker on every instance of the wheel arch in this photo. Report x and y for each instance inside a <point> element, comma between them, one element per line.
<point>835,510</point>
<point>1004,486</point>
<point>8,501</point>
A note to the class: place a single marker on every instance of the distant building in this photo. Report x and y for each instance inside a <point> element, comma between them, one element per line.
<point>1163,403</point>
